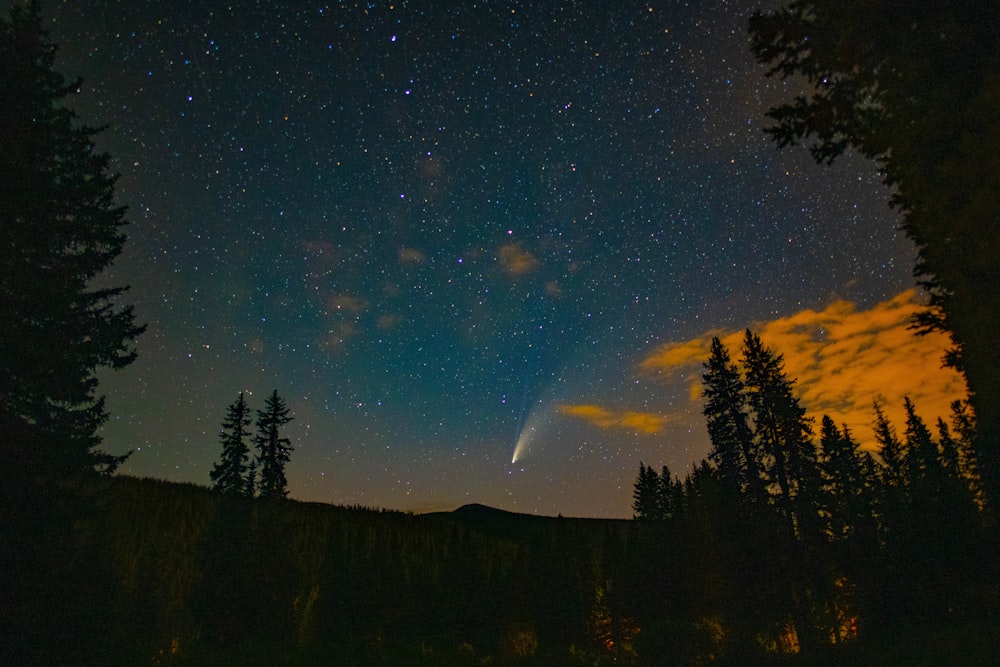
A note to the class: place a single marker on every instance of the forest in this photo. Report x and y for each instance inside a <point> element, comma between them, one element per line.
<point>790,544</point>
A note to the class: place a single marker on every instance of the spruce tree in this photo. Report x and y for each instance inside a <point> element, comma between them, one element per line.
<point>231,473</point>
<point>646,494</point>
<point>890,449</point>
<point>727,420</point>
<point>273,450</point>
<point>59,230</point>
<point>782,432</point>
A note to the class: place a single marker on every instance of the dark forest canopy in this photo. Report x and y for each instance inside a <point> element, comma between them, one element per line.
<point>794,539</point>
<point>915,86</point>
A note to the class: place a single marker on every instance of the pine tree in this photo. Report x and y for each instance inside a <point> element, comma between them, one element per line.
<point>669,494</point>
<point>646,494</point>
<point>782,432</point>
<point>59,230</point>
<point>846,483</point>
<point>231,473</point>
<point>727,420</point>
<point>922,468</point>
<point>890,449</point>
<point>273,450</point>
<point>963,424</point>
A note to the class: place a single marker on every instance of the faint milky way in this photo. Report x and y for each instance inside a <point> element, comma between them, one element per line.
<point>414,222</point>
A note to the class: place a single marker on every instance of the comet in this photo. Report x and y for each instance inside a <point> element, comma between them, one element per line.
<point>527,434</point>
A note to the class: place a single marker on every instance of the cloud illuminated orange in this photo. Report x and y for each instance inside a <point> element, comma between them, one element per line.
<point>515,260</point>
<point>640,422</point>
<point>842,359</point>
<point>346,303</point>
<point>411,256</point>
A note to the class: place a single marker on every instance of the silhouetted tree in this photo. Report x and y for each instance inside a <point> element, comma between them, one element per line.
<point>915,86</point>
<point>646,494</point>
<point>922,467</point>
<point>782,433</point>
<point>231,473</point>
<point>59,230</point>
<point>60,324</point>
<point>963,424</point>
<point>273,450</point>
<point>728,423</point>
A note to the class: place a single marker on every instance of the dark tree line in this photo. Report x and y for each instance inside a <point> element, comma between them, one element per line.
<point>264,476</point>
<point>915,86</point>
<point>804,541</point>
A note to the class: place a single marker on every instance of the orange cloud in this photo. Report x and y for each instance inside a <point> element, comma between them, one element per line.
<point>411,256</point>
<point>515,260</point>
<point>641,422</point>
<point>389,321</point>
<point>842,360</point>
<point>337,338</point>
<point>346,303</point>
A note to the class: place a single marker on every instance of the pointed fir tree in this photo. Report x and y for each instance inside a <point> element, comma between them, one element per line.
<point>668,503</point>
<point>59,230</point>
<point>646,494</point>
<point>273,450</point>
<point>728,423</point>
<point>922,467</point>
<point>890,449</point>
<point>847,487</point>
<point>230,474</point>
<point>782,432</point>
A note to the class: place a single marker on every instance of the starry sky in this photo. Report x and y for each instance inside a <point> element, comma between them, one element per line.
<point>478,247</point>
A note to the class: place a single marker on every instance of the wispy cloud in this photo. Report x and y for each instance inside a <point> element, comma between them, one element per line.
<point>411,256</point>
<point>842,359</point>
<point>346,303</point>
<point>640,422</point>
<point>515,260</point>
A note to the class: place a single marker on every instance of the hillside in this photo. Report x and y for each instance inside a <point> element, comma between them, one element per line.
<point>199,578</point>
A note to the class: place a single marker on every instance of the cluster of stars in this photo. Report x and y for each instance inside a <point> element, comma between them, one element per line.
<point>406,219</point>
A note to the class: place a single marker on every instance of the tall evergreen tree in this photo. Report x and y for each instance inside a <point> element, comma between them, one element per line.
<point>890,449</point>
<point>59,230</point>
<point>646,494</point>
<point>231,473</point>
<point>922,466</point>
<point>782,432</point>
<point>273,450</point>
<point>963,425</point>
<point>727,420</point>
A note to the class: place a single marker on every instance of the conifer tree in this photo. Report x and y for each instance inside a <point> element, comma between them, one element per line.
<point>230,474</point>
<point>963,425</point>
<point>669,494</point>
<point>646,494</point>
<point>846,479</point>
<point>59,230</point>
<point>273,450</point>
<point>781,431</point>
<point>727,420</point>
<point>922,467</point>
<point>890,449</point>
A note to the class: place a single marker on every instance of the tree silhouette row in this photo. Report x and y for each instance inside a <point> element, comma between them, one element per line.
<point>264,475</point>
<point>804,543</point>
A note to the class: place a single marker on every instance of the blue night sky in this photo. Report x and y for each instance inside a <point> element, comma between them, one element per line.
<point>437,228</point>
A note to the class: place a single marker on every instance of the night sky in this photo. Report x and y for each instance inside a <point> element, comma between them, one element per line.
<point>442,229</point>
